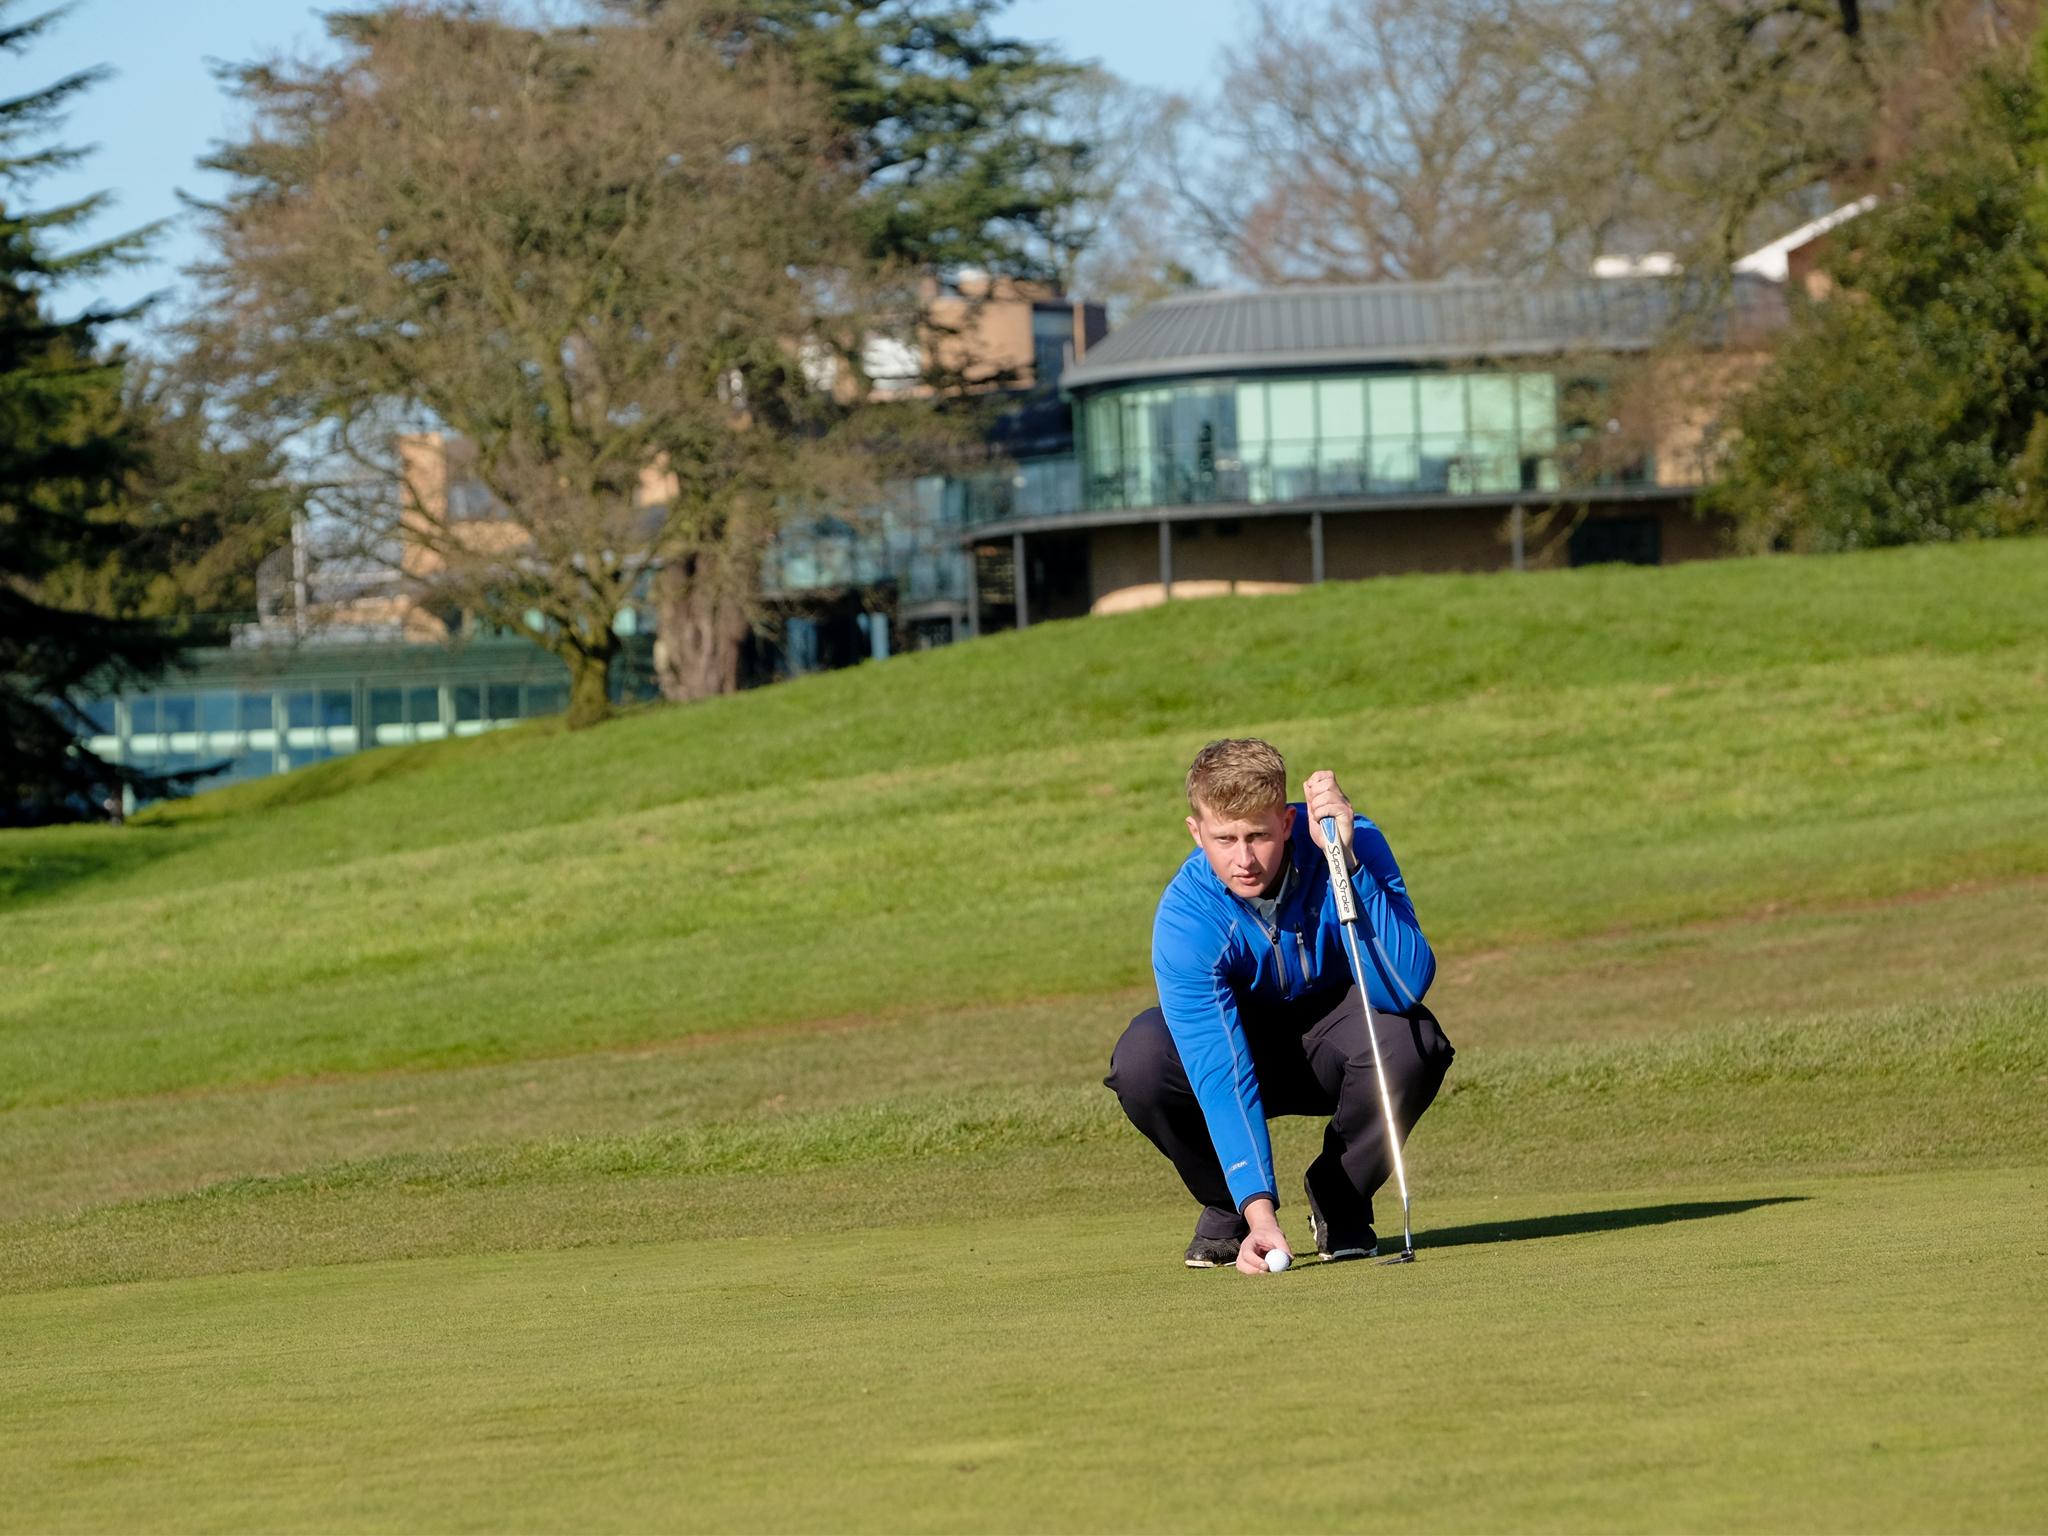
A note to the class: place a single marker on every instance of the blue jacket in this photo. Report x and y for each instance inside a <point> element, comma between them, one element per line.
<point>1219,969</point>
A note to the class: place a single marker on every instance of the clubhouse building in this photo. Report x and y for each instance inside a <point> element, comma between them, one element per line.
<point>1258,442</point>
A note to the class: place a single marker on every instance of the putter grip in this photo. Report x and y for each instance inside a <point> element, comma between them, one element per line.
<point>1340,877</point>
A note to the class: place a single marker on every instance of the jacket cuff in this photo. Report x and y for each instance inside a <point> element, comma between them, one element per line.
<point>1258,1194</point>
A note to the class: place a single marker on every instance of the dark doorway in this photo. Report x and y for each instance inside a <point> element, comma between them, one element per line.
<point>1059,575</point>
<point>1618,540</point>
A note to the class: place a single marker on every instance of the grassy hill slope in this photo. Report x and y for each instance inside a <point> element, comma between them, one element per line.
<point>1553,757</point>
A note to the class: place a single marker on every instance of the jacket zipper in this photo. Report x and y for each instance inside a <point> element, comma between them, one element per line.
<point>1279,956</point>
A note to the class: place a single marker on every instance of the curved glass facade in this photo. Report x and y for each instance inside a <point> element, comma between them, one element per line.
<point>1298,437</point>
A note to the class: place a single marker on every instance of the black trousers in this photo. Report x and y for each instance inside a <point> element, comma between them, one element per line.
<point>1311,1057</point>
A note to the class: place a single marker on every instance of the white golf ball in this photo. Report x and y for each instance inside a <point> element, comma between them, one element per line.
<point>1277,1260</point>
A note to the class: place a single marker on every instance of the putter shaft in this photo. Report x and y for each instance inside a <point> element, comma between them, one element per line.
<point>1348,917</point>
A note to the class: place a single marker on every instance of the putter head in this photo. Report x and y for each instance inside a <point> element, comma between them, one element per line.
<point>1405,1256</point>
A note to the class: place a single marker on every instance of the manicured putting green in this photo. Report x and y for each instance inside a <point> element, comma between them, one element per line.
<point>1789,1354</point>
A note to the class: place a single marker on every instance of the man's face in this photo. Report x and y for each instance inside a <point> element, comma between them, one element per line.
<point>1246,853</point>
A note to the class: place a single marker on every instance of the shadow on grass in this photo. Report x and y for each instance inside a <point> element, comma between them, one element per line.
<point>1579,1222</point>
<point>37,863</point>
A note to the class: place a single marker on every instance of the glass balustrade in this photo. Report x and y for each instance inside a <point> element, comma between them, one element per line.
<point>1258,441</point>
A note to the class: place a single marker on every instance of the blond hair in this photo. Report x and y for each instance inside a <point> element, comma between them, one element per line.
<point>1237,778</point>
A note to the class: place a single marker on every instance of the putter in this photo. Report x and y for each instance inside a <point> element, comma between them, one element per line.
<point>1348,917</point>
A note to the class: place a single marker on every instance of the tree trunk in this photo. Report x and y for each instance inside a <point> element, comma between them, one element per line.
<point>701,625</point>
<point>590,697</point>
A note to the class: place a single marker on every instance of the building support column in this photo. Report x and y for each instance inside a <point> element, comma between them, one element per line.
<point>1165,560</point>
<point>1516,518</point>
<point>1021,579</point>
<point>280,734</point>
<point>973,590</point>
<point>1315,548</point>
<point>124,751</point>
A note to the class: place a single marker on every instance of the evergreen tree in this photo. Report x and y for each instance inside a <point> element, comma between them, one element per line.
<point>952,119</point>
<point>1911,404</point>
<point>66,449</point>
<point>197,516</point>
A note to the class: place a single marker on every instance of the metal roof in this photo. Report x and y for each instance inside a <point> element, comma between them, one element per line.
<point>1384,323</point>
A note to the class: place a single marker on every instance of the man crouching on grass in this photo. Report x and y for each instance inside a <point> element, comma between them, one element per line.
<point>1258,1015</point>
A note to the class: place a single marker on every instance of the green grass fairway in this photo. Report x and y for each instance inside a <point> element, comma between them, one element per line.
<point>1792,1353</point>
<point>696,1123</point>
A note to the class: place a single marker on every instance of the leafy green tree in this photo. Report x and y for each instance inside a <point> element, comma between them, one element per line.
<point>1911,404</point>
<point>68,449</point>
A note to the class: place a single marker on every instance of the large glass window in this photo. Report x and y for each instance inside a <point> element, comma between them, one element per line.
<point>1536,430</point>
<point>1491,464</point>
<point>1291,420</point>
<point>1440,403</point>
<point>217,711</point>
<point>1103,474</point>
<point>1289,439</point>
<point>1253,443</point>
<point>1044,487</point>
<point>1340,437</point>
<point>1138,450</point>
<point>1052,332</point>
<point>1390,410</point>
<point>246,765</point>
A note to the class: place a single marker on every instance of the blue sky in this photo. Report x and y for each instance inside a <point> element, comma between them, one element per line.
<point>162,109</point>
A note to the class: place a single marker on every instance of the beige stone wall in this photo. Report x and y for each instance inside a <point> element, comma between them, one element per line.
<point>1386,543</point>
<point>430,462</point>
<point>986,343</point>
<point>1692,393</point>
<point>1273,555</point>
<point>984,331</point>
<point>1266,555</point>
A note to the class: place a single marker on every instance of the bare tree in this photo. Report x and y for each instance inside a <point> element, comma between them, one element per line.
<point>1116,240</point>
<point>620,260</point>
<point>1704,127</point>
<point>1361,141</point>
<point>1378,139</point>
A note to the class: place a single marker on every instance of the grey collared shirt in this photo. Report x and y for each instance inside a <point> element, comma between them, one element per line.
<point>1268,907</point>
